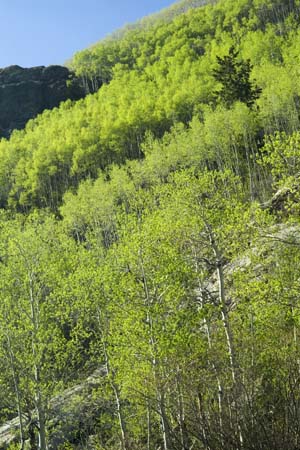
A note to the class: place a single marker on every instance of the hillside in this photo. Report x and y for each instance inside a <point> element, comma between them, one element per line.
<point>150,231</point>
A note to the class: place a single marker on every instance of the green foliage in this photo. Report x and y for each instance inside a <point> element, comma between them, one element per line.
<point>66,446</point>
<point>281,154</point>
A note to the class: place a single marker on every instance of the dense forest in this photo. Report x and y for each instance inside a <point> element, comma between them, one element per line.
<point>150,233</point>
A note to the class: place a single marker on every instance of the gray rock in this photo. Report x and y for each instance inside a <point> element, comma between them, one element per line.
<point>72,415</point>
<point>8,433</point>
<point>25,93</point>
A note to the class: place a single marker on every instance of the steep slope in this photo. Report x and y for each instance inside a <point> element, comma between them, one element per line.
<point>165,15</point>
<point>140,233</point>
<point>153,79</point>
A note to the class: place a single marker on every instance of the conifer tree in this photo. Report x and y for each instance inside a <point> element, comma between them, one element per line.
<point>234,75</point>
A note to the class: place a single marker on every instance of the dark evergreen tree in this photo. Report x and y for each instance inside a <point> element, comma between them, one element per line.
<point>234,74</point>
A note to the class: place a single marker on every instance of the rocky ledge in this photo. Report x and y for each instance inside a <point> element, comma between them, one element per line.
<point>72,418</point>
<point>26,92</point>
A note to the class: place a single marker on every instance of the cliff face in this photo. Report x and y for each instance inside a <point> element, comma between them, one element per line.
<point>24,93</point>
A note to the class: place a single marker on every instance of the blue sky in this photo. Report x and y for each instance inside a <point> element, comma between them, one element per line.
<point>43,32</point>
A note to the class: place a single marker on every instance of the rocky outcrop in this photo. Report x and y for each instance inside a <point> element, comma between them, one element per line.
<point>24,93</point>
<point>285,201</point>
<point>73,416</point>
